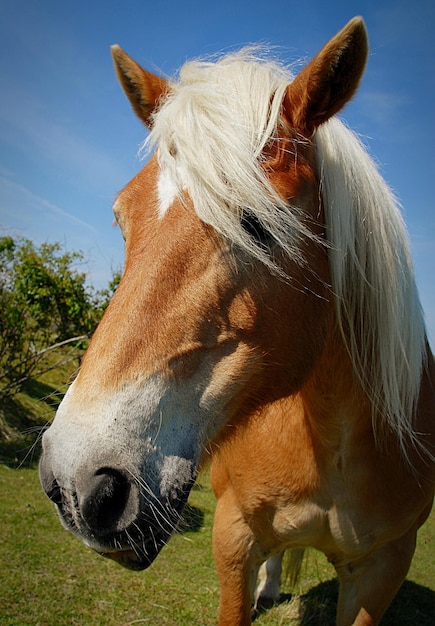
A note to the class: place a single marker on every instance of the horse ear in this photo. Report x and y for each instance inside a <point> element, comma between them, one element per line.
<point>329,81</point>
<point>142,88</point>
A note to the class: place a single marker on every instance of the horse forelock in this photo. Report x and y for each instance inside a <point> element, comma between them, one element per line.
<point>210,133</point>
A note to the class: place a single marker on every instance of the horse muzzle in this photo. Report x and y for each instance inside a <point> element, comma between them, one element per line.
<point>113,514</point>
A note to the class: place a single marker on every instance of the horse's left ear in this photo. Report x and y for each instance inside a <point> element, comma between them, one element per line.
<point>142,88</point>
<point>329,81</point>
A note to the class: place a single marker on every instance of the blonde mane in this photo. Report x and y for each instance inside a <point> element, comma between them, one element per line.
<point>210,133</point>
<point>376,299</point>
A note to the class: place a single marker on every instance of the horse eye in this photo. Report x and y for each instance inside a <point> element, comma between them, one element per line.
<point>252,225</point>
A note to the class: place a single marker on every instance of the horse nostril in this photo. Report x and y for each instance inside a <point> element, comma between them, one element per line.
<point>104,501</point>
<point>54,493</point>
<point>49,483</point>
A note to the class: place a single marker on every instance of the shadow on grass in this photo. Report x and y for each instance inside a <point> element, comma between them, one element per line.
<point>192,520</point>
<point>43,392</point>
<point>22,427</point>
<point>414,604</point>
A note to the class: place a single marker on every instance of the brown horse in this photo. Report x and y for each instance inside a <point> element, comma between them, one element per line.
<point>267,318</point>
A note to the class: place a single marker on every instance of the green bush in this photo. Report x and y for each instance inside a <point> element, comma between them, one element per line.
<point>47,314</point>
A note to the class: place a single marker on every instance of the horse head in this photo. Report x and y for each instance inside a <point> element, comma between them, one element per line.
<point>224,304</point>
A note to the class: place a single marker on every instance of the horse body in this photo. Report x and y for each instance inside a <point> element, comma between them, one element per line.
<point>267,319</point>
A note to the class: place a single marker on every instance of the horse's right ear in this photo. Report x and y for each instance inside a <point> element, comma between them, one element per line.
<point>142,88</point>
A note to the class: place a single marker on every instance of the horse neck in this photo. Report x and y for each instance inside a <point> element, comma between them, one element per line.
<point>336,406</point>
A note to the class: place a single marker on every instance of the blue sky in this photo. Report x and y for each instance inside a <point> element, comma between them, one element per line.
<point>69,142</point>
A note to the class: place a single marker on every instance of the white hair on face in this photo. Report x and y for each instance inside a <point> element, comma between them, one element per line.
<point>211,132</point>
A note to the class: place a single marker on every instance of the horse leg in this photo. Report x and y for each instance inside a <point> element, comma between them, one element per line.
<point>233,550</point>
<point>368,586</point>
<point>268,588</point>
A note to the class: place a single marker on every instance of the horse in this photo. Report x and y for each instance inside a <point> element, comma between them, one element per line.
<point>267,322</point>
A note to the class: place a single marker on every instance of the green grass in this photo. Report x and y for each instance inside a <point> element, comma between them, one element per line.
<point>49,578</point>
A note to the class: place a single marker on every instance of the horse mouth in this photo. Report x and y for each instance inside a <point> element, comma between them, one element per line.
<point>135,552</point>
<point>130,559</point>
<point>134,549</point>
<point>137,546</point>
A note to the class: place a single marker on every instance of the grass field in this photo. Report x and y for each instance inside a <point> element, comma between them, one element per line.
<point>48,578</point>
